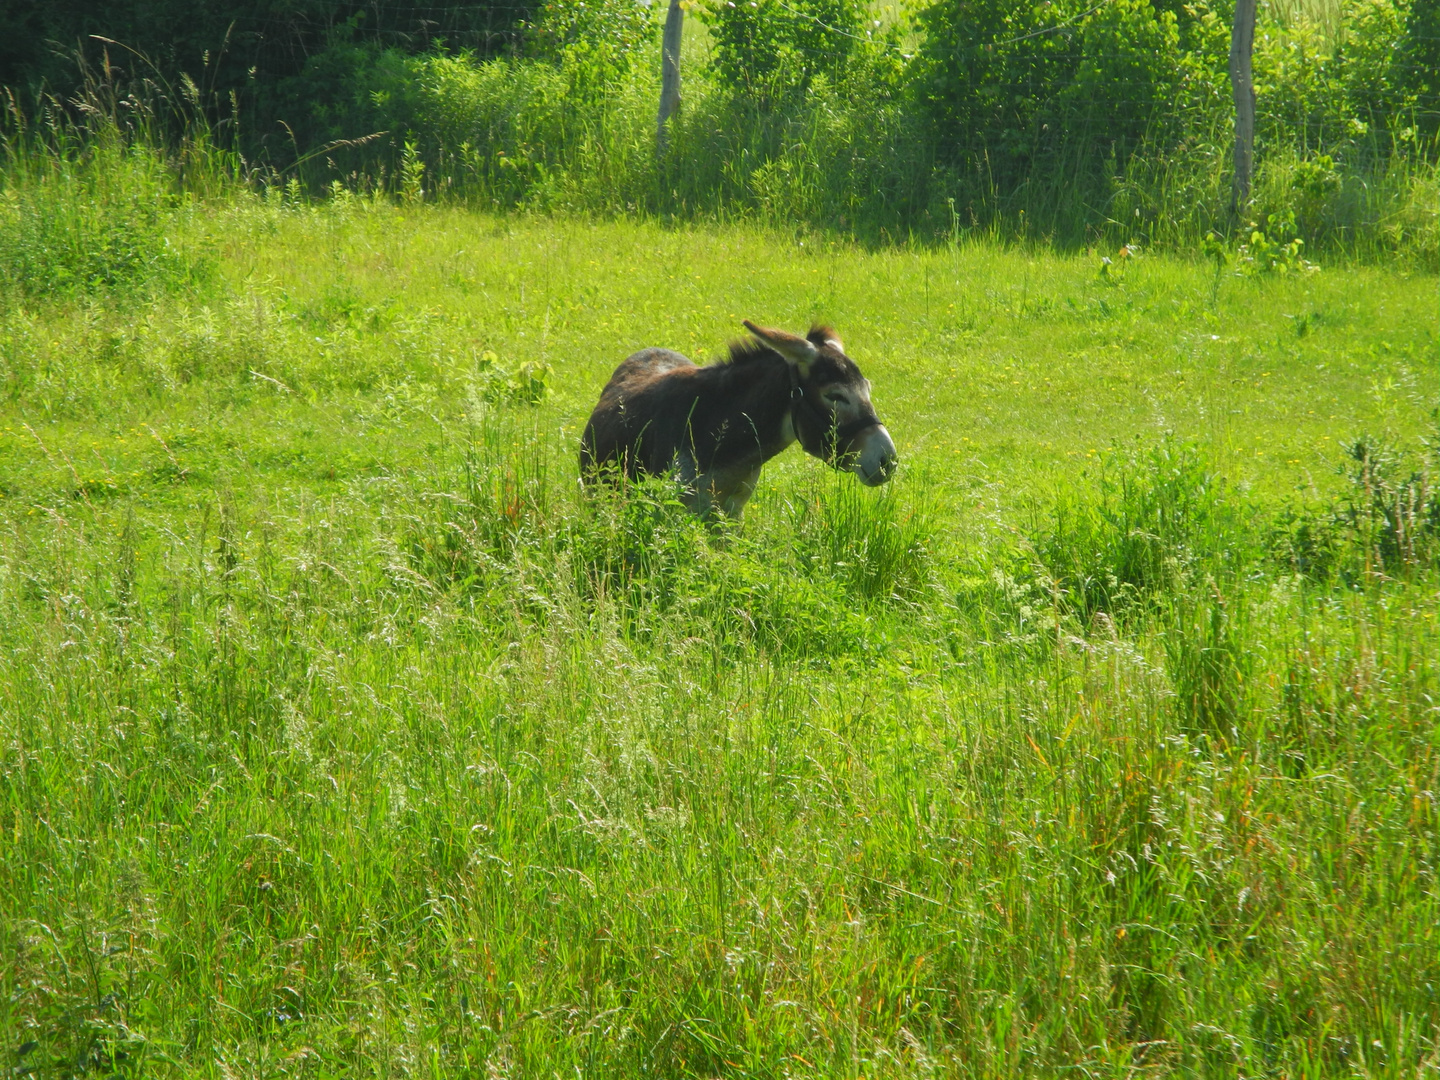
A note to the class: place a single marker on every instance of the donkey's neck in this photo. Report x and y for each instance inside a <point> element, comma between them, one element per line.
<point>749,406</point>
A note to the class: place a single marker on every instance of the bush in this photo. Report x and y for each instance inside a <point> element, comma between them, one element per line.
<point>498,125</point>
<point>518,132</point>
<point>594,42</point>
<point>1416,66</point>
<point>771,51</point>
<point>275,58</point>
<point>1117,120</point>
<point>1060,85</point>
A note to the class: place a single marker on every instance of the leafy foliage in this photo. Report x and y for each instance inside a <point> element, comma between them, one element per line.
<point>246,47</point>
<point>1416,67</point>
<point>771,50</point>
<point>1275,249</point>
<point>1062,121</point>
<point>595,42</point>
<point>1051,86</point>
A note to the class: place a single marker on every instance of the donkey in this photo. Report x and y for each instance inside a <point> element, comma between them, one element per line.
<point>714,426</point>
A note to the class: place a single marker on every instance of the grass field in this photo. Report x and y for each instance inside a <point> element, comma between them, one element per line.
<point>340,733</point>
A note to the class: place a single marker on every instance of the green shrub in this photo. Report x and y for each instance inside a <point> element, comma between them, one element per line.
<point>512,132</point>
<point>1371,37</point>
<point>292,63</point>
<point>344,92</point>
<point>1058,87</point>
<point>594,43</point>
<point>1415,70</point>
<point>770,51</point>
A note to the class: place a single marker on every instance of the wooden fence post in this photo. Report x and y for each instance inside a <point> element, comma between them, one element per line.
<point>1242,46</point>
<point>670,72</point>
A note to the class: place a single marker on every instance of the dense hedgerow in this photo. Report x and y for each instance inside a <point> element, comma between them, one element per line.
<point>1059,121</point>
<point>1064,122</point>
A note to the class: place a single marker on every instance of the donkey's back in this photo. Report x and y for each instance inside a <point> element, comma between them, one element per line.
<point>630,427</point>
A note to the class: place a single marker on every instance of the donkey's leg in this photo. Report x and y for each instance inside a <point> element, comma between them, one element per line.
<point>695,485</point>
<point>733,490</point>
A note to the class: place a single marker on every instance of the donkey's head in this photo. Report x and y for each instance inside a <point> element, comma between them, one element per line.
<point>830,404</point>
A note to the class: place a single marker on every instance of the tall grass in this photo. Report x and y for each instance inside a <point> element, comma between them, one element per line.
<point>474,771</point>
<point>90,189</point>
<point>341,730</point>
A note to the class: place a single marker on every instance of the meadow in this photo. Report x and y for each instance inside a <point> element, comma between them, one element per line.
<point>342,733</point>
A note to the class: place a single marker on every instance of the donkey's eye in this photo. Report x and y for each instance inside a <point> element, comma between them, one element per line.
<point>835,398</point>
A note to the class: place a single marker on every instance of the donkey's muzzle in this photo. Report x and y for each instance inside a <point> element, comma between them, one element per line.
<point>874,456</point>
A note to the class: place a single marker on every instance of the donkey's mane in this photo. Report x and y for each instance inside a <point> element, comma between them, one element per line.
<point>748,352</point>
<point>751,349</point>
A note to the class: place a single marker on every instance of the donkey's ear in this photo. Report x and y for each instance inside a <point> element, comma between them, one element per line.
<point>797,350</point>
<point>823,335</point>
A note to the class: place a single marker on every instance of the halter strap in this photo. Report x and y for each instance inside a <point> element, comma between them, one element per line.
<point>842,432</point>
